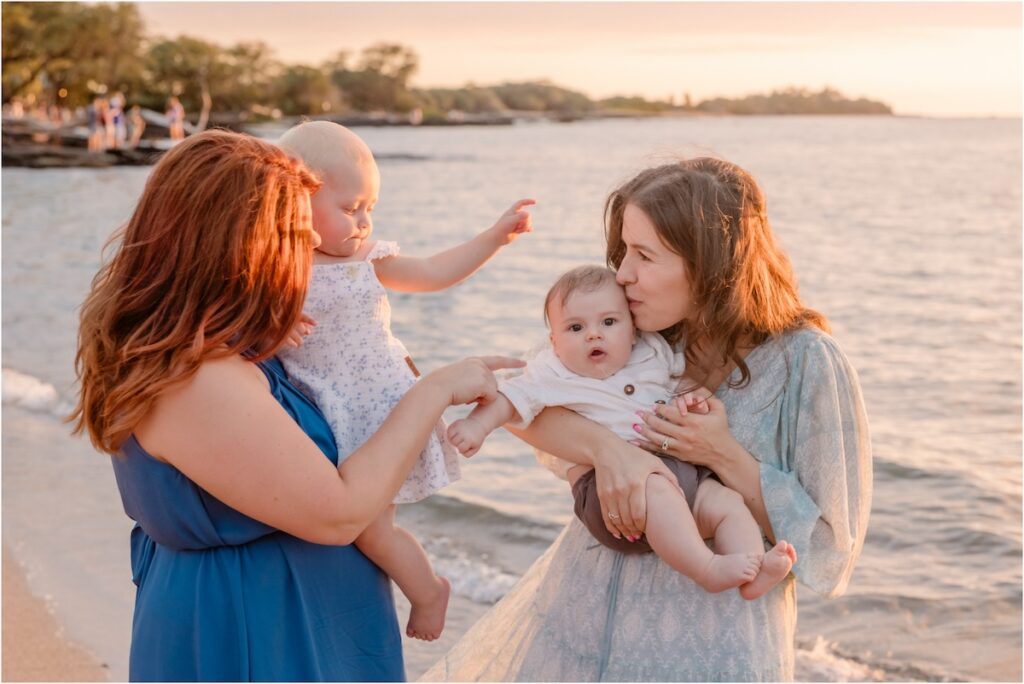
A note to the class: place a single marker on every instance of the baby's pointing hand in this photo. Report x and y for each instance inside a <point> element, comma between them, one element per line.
<point>515,221</point>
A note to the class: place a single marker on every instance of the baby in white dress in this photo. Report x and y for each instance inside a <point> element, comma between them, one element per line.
<point>599,366</point>
<point>350,364</point>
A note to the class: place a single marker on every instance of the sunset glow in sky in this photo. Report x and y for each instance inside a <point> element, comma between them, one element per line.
<point>940,59</point>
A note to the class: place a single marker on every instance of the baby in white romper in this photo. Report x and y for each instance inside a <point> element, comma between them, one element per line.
<point>350,364</point>
<point>599,366</point>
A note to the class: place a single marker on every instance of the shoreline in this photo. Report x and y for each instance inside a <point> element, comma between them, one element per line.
<point>35,647</point>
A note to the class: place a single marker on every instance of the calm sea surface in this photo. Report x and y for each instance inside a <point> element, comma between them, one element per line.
<point>905,232</point>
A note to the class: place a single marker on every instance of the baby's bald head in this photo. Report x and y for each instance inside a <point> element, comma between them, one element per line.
<point>325,146</point>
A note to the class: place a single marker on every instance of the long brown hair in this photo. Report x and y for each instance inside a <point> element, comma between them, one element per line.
<point>214,261</point>
<point>714,215</point>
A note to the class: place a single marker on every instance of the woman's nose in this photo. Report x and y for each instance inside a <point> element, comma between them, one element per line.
<point>624,276</point>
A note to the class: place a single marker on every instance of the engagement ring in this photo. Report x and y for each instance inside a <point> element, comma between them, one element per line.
<point>613,516</point>
<point>664,444</point>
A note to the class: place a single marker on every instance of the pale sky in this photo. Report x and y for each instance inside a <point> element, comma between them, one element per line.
<point>930,58</point>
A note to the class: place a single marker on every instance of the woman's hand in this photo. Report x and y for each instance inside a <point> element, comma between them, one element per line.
<point>622,489</point>
<point>471,380</point>
<point>693,428</point>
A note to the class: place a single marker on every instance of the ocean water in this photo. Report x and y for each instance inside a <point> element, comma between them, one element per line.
<point>906,232</point>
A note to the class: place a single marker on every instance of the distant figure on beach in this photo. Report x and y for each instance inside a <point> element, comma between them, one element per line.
<point>175,113</point>
<point>242,550</point>
<point>116,129</point>
<point>785,428</point>
<point>351,365</point>
<point>95,121</point>
<point>136,126</point>
<point>601,367</point>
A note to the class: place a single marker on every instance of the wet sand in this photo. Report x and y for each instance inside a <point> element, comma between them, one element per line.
<point>34,648</point>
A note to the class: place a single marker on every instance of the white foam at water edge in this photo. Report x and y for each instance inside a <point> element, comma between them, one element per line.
<point>472,579</point>
<point>32,393</point>
<point>820,664</point>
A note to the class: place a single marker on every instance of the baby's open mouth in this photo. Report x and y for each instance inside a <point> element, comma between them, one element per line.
<point>597,354</point>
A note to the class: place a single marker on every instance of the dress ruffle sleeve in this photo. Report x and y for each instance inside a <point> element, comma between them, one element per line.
<point>383,249</point>
<point>819,499</point>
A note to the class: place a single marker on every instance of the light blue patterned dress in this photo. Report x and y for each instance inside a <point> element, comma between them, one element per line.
<point>585,613</point>
<point>356,370</point>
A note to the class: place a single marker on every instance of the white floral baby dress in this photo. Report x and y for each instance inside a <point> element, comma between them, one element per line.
<point>356,370</point>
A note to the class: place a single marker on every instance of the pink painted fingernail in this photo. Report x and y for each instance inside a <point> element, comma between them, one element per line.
<point>639,413</point>
<point>637,427</point>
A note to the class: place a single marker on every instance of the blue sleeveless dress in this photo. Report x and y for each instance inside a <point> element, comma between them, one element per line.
<point>224,597</point>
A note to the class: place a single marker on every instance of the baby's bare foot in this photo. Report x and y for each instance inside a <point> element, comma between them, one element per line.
<point>426,618</point>
<point>776,565</point>
<point>726,572</point>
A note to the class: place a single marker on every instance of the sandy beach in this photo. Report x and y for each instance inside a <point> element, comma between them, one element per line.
<point>34,648</point>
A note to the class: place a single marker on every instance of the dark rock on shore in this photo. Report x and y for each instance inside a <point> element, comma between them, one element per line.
<point>45,156</point>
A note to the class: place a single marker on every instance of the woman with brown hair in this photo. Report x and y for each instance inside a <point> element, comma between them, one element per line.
<point>244,519</point>
<point>786,428</point>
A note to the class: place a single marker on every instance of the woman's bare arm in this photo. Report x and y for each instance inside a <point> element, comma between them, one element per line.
<point>227,433</point>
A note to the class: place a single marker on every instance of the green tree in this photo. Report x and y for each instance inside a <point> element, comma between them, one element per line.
<point>80,48</point>
<point>304,90</point>
<point>471,99</point>
<point>247,73</point>
<point>543,97</point>
<point>380,80</point>
<point>187,67</point>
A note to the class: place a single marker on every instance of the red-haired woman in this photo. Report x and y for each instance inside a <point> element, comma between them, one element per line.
<point>692,245</point>
<point>241,551</point>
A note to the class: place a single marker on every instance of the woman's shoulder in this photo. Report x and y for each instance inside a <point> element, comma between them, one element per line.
<point>213,389</point>
<point>809,339</point>
<point>798,351</point>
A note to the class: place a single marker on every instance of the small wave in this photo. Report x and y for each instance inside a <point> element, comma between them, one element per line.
<point>822,661</point>
<point>471,578</point>
<point>33,394</point>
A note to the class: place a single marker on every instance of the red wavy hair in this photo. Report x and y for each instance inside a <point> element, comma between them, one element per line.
<point>714,215</point>
<point>214,261</point>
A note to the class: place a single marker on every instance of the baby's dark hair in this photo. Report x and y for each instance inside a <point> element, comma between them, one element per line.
<point>582,278</point>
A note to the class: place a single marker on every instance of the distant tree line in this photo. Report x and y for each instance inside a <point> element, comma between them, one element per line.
<point>67,53</point>
<point>794,101</point>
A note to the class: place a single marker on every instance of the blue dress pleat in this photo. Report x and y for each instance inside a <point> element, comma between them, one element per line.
<point>223,597</point>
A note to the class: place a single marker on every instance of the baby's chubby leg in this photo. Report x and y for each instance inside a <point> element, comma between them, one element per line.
<point>721,513</point>
<point>398,554</point>
<point>672,533</point>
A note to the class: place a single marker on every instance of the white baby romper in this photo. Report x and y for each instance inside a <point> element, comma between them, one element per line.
<point>356,370</point>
